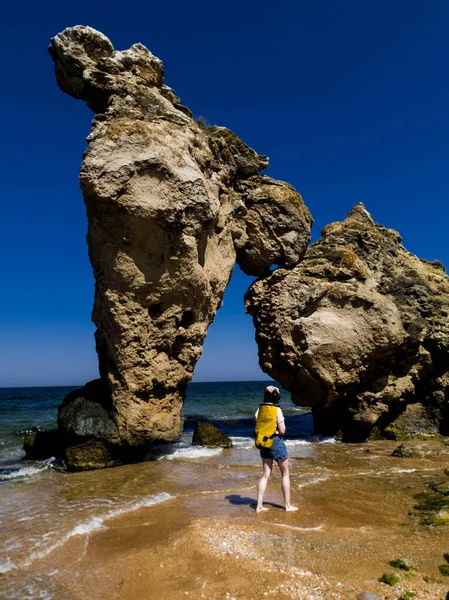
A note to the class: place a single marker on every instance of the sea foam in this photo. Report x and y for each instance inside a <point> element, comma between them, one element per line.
<point>95,523</point>
<point>192,453</point>
<point>244,443</point>
<point>313,481</point>
<point>28,471</point>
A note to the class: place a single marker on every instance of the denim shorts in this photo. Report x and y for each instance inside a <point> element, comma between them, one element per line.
<point>277,452</point>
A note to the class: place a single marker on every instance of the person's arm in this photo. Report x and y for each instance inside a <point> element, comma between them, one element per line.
<point>280,422</point>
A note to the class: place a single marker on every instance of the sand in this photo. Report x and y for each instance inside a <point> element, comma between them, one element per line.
<point>206,541</point>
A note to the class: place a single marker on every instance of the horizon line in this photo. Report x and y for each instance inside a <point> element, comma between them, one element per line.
<point>13,387</point>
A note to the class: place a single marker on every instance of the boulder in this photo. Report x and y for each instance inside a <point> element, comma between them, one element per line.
<point>407,451</point>
<point>415,422</point>
<point>359,331</point>
<point>44,444</point>
<point>206,434</point>
<point>91,454</point>
<point>85,413</point>
<point>171,206</point>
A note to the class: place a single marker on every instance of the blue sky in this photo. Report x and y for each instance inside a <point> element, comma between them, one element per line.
<point>349,99</point>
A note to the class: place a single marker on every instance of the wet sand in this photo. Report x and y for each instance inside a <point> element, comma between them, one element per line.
<point>206,541</point>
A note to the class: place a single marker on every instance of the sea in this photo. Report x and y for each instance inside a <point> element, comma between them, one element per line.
<point>42,506</point>
<point>57,527</point>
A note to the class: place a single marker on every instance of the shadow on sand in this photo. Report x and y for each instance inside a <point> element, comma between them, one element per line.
<point>237,500</point>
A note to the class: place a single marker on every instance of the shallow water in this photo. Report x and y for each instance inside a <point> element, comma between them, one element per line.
<point>354,502</point>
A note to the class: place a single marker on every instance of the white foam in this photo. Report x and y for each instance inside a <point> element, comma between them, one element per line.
<point>395,470</point>
<point>405,470</point>
<point>245,443</point>
<point>313,481</point>
<point>28,471</point>
<point>316,439</point>
<point>318,528</point>
<point>97,523</point>
<point>192,453</point>
<point>297,443</point>
<point>7,565</point>
<point>325,440</point>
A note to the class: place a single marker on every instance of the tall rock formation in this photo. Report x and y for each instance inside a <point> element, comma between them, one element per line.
<point>359,331</point>
<point>171,206</point>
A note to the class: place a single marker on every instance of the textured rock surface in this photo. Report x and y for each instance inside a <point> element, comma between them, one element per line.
<point>407,451</point>
<point>170,206</point>
<point>359,331</point>
<point>206,434</point>
<point>93,454</point>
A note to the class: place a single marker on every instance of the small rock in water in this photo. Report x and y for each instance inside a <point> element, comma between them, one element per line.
<point>206,434</point>
<point>368,596</point>
<point>406,451</point>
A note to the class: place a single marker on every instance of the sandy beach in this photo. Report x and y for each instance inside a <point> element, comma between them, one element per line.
<point>198,535</point>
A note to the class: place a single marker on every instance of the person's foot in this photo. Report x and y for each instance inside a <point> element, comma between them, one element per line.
<point>291,508</point>
<point>261,509</point>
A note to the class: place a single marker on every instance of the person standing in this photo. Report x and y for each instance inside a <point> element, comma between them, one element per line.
<point>270,426</point>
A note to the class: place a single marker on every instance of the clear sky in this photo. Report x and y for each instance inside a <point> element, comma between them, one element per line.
<point>349,99</point>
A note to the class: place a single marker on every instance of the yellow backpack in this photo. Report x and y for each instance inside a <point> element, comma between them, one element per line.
<point>266,425</point>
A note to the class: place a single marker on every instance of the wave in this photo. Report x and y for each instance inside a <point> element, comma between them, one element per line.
<point>192,453</point>
<point>313,481</point>
<point>96,523</point>
<point>297,443</point>
<point>406,470</point>
<point>314,439</point>
<point>23,472</point>
<point>244,443</point>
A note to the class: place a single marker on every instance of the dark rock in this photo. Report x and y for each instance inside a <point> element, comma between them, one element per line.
<point>441,488</point>
<point>44,444</point>
<point>407,451</point>
<point>444,570</point>
<point>433,504</point>
<point>92,454</point>
<point>83,414</point>
<point>416,422</point>
<point>206,434</point>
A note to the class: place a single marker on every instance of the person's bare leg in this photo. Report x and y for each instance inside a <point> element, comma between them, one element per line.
<point>283,466</point>
<point>267,465</point>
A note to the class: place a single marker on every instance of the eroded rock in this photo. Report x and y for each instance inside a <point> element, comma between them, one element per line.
<point>359,331</point>
<point>171,205</point>
<point>206,434</point>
